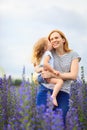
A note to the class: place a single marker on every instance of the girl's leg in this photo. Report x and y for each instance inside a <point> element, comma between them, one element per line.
<point>63,103</point>
<point>57,87</point>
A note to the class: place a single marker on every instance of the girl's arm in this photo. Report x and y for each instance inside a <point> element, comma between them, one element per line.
<point>47,66</point>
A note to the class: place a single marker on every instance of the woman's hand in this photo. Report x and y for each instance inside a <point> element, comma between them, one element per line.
<point>38,69</point>
<point>56,72</point>
<point>46,74</point>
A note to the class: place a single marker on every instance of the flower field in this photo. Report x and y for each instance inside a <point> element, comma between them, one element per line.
<point>18,110</point>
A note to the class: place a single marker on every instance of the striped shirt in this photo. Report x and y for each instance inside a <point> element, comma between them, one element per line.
<point>63,63</point>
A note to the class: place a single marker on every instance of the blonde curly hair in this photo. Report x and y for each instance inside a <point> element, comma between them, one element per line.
<point>38,50</point>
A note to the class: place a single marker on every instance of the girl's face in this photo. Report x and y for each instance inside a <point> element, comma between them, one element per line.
<point>56,40</point>
<point>49,46</point>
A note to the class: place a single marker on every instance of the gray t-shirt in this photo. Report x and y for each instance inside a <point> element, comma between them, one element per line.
<point>63,63</point>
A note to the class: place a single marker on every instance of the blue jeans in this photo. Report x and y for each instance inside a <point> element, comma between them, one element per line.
<point>62,98</point>
<point>41,80</point>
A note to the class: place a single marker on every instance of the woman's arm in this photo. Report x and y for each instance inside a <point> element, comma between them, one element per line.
<point>67,75</point>
<point>38,69</point>
<point>73,71</point>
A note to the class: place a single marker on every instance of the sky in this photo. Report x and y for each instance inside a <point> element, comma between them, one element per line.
<point>23,22</point>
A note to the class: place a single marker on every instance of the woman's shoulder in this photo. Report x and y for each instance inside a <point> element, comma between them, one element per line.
<point>74,54</point>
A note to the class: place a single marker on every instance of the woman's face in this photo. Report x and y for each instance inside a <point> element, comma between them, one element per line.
<point>56,40</point>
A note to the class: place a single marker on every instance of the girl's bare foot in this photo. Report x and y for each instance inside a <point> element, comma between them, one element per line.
<point>54,100</point>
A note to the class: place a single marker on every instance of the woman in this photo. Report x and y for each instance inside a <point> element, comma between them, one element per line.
<point>66,62</point>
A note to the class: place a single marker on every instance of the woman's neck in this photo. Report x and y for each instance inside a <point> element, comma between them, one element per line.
<point>60,52</point>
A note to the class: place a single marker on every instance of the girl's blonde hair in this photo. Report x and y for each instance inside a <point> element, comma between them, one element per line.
<point>66,46</point>
<point>38,50</point>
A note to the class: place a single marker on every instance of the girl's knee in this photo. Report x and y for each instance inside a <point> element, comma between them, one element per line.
<point>60,81</point>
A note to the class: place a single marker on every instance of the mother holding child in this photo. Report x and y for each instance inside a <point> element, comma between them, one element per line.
<point>57,65</point>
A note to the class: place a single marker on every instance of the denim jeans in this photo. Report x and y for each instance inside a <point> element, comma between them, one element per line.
<point>62,98</point>
<point>41,80</point>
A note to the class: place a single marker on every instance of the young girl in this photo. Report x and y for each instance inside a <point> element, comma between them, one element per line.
<point>42,59</point>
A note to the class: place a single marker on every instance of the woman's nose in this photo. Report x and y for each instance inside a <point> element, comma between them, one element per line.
<point>53,40</point>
